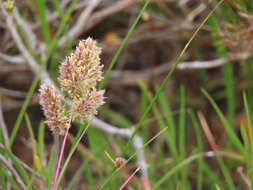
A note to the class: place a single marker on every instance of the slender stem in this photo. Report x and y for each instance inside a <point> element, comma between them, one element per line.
<point>70,155</point>
<point>62,148</point>
<point>60,158</point>
<point>128,179</point>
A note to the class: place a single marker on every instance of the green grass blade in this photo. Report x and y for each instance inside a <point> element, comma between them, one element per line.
<point>231,134</point>
<point>248,114</point>
<point>169,117</point>
<point>169,75</point>
<point>182,123</point>
<point>50,171</point>
<point>41,4</point>
<point>58,8</point>
<point>30,130</point>
<point>17,165</point>
<point>30,184</point>
<point>159,118</point>
<point>118,118</point>
<point>130,158</point>
<point>122,45</point>
<point>172,171</point>
<point>9,178</point>
<point>249,136</point>
<point>199,148</point>
<point>41,134</point>
<point>76,176</point>
<point>226,174</point>
<point>182,129</point>
<point>227,69</point>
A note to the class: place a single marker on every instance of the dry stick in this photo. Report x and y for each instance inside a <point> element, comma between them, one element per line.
<point>31,37</point>
<point>12,93</point>
<point>207,130</point>
<point>77,29</point>
<point>99,124</point>
<point>4,134</point>
<point>55,15</point>
<point>130,77</point>
<point>98,16</point>
<point>28,168</point>
<point>244,177</point>
<point>16,175</point>
<point>3,125</point>
<point>19,59</point>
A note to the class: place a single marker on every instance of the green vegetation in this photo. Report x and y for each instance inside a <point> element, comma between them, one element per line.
<point>151,120</point>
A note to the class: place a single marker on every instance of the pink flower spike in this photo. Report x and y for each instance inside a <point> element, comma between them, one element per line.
<point>53,108</point>
<point>128,179</point>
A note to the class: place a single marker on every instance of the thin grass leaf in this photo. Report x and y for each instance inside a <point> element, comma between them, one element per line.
<point>231,134</point>
<point>168,113</point>
<point>30,130</point>
<point>213,177</point>
<point>17,165</point>
<point>227,69</point>
<point>159,118</point>
<point>182,123</point>
<point>2,178</point>
<point>122,45</point>
<point>169,75</point>
<point>226,173</point>
<point>50,170</point>
<point>172,171</point>
<point>58,8</point>
<point>192,158</point>
<point>30,184</point>
<point>199,149</point>
<point>248,114</point>
<point>130,158</point>
<point>41,134</point>
<point>74,146</point>
<point>88,173</point>
<point>10,179</point>
<point>76,176</point>
<point>250,134</point>
<point>41,5</point>
<point>116,117</point>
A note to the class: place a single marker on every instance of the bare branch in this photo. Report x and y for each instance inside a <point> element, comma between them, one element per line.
<point>79,27</point>
<point>13,171</point>
<point>101,15</point>
<point>3,125</point>
<point>12,59</point>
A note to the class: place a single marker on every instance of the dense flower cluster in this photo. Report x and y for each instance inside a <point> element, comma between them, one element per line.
<point>53,109</point>
<point>79,75</point>
<point>81,71</point>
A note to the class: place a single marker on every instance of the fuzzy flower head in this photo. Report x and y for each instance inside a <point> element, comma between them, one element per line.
<point>79,75</point>
<point>53,109</point>
<point>81,71</point>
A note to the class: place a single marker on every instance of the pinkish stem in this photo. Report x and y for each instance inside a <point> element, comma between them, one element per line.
<point>60,158</point>
<point>128,179</point>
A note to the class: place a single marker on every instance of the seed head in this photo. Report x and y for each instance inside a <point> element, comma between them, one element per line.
<point>79,75</point>
<point>86,106</point>
<point>53,109</point>
<point>81,71</point>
